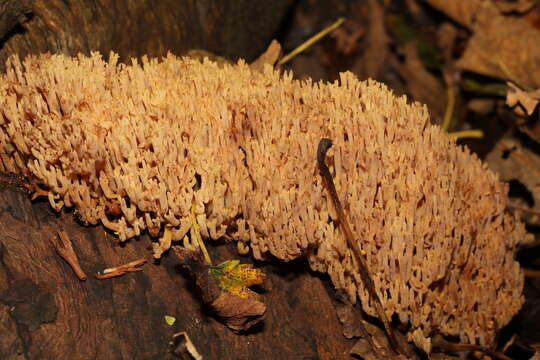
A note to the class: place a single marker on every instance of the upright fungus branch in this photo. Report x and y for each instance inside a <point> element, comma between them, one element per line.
<point>198,238</point>
<point>323,147</point>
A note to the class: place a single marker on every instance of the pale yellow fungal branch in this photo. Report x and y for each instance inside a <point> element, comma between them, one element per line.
<point>197,235</point>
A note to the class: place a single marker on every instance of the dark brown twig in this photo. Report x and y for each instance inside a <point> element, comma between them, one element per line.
<point>531,273</point>
<point>64,248</point>
<point>324,145</point>
<point>131,266</point>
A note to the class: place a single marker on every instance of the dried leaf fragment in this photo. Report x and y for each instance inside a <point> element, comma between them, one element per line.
<point>269,57</point>
<point>225,288</point>
<point>235,278</point>
<point>64,248</point>
<point>516,6</point>
<point>131,266</point>
<point>183,347</point>
<point>513,161</point>
<point>527,99</point>
<point>377,41</point>
<point>374,342</point>
<point>422,85</point>
<point>170,320</point>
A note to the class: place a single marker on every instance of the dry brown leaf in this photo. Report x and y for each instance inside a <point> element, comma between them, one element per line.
<point>515,6</point>
<point>536,355</point>
<point>531,128</point>
<point>496,41</point>
<point>374,341</point>
<point>376,50</point>
<point>513,161</point>
<point>482,106</point>
<point>524,103</point>
<point>237,312</point>
<point>270,56</point>
<point>421,84</point>
<point>381,348</point>
<point>495,44</point>
<point>446,37</point>
<point>183,347</point>
<point>462,11</point>
<point>348,36</point>
<point>528,99</point>
<point>350,320</point>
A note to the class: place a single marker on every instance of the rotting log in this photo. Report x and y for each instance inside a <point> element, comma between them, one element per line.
<point>46,312</point>
<point>133,28</point>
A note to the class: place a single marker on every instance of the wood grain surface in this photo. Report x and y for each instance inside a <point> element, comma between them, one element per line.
<point>46,312</point>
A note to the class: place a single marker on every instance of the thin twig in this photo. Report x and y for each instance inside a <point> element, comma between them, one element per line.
<point>131,266</point>
<point>509,343</point>
<point>324,145</point>
<point>312,40</point>
<point>64,248</point>
<point>531,273</point>
<point>477,134</point>
<point>449,112</point>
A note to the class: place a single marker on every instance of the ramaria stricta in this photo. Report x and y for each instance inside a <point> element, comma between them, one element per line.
<point>135,146</point>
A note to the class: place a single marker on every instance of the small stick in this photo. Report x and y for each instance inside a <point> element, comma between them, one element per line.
<point>324,145</point>
<point>312,40</point>
<point>476,134</point>
<point>131,266</point>
<point>531,273</point>
<point>509,343</point>
<point>64,248</point>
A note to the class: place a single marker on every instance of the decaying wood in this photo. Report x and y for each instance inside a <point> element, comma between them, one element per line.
<point>47,313</point>
<point>13,13</point>
<point>230,28</point>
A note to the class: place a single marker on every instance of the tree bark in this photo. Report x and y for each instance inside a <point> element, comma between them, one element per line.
<point>133,28</point>
<point>13,13</point>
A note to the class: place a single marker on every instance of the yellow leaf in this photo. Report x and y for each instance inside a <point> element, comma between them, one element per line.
<point>235,278</point>
<point>169,320</point>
